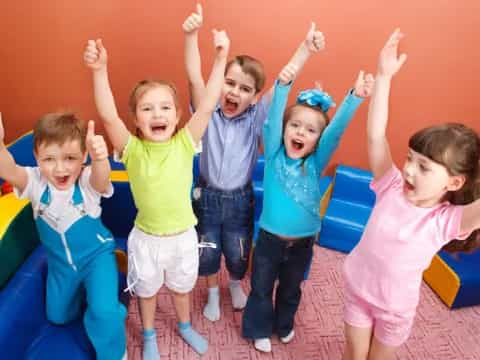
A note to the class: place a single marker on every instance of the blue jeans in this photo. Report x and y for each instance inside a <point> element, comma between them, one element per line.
<point>274,257</point>
<point>225,225</point>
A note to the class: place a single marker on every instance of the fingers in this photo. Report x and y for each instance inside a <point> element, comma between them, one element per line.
<point>91,52</point>
<point>194,21</point>
<point>90,130</point>
<point>312,28</point>
<point>220,40</point>
<point>360,77</point>
<point>402,59</point>
<point>315,39</point>
<point>288,74</point>
<point>318,85</point>
<point>96,146</point>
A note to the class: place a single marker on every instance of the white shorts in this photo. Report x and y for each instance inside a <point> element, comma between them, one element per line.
<point>155,259</point>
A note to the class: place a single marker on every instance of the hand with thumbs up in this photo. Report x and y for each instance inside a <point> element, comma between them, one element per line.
<point>96,146</point>
<point>314,41</point>
<point>194,22</point>
<point>95,55</point>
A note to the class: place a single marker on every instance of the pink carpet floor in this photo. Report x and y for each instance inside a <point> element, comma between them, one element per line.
<point>439,333</point>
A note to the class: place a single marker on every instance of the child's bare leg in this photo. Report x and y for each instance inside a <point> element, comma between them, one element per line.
<point>212,309</point>
<point>358,342</point>
<point>191,337</point>
<point>147,313</point>
<point>380,351</point>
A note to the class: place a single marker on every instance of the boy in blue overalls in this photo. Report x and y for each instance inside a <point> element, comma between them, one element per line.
<point>65,197</point>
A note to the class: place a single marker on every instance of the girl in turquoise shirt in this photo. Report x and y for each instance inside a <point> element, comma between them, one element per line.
<point>299,143</point>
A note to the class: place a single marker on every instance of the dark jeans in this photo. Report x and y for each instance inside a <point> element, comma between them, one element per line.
<point>225,225</point>
<point>274,257</point>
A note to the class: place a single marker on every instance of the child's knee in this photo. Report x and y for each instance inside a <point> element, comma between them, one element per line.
<point>209,255</point>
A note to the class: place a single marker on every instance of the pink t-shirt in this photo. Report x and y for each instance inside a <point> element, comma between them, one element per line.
<point>398,244</point>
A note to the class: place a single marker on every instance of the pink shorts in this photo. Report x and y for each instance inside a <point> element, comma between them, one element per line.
<point>390,328</point>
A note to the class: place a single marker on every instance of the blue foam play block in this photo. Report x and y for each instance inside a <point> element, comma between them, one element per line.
<point>349,208</point>
<point>467,268</point>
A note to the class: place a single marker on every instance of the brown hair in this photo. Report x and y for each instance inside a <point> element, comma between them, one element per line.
<point>250,66</point>
<point>58,128</point>
<point>457,148</point>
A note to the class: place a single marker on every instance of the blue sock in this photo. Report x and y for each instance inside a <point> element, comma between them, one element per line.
<point>150,347</point>
<point>192,338</point>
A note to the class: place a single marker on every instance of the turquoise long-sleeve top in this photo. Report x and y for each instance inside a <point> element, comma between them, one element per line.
<point>291,197</point>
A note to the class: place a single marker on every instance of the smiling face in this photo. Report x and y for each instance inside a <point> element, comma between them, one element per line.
<point>238,91</point>
<point>302,130</point>
<point>427,182</point>
<point>60,164</point>
<point>156,114</point>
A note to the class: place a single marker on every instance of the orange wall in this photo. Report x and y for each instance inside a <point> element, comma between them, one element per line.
<point>42,43</point>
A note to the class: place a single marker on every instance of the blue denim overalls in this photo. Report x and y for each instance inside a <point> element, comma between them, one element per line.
<point>81,262</point>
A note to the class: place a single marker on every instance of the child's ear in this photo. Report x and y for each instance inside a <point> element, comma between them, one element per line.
<point>456,182</point>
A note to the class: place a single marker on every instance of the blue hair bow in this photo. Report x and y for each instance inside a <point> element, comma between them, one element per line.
<point>315,97</point>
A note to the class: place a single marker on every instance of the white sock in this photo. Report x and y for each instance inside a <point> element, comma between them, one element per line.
<point>288,338</point>
<point>212,309</point>
<point>263,345</point>
<point>239,299</point>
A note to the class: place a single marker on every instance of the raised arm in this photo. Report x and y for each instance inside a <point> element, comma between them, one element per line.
<point>9,170</point>
<point>95,57</point>
<point>199,120</point>
<point>314,42</point>
<point>97,149</point>
<point>272,132</point>
<point>389,63</point>
<point>332,134</point>
<point>193,62</point>
<point>470,217</point>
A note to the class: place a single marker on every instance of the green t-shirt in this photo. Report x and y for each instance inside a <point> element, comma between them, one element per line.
<point>160,176</point>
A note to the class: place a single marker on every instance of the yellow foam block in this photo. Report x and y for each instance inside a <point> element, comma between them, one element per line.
<point>443,280</point>
<point>119,175</point>
<point>325,199</point>
<point>10,206</point>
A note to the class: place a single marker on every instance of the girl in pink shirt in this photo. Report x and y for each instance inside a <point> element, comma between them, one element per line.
<point>427,205</point>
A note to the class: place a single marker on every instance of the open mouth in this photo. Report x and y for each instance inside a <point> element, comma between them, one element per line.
<point>408,186</point>
<point>156,129</point>
<point>297,145</point>
<point>62,180</point>
<point>230,105</point>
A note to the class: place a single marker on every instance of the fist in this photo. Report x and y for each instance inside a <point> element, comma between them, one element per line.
<point>221,42</point>
<point>96,146</point>
<point>95,55</point>
<point>315,41</point>
<point>364,85</point>
<point>288,74</point>
<point>194,21</point>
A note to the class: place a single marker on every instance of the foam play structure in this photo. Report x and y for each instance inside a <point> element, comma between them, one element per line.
<point>25,332</point>
<point>455,278</point>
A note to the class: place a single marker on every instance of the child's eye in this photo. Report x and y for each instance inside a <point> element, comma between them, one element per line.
<point>424,168</point>
<point>71,158</point>
<point>295,125</point>
<point>166,107</point>
<point>48,159</point>
<point>246,89</point>
<point>312,131</point>
<point>146,108</point>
